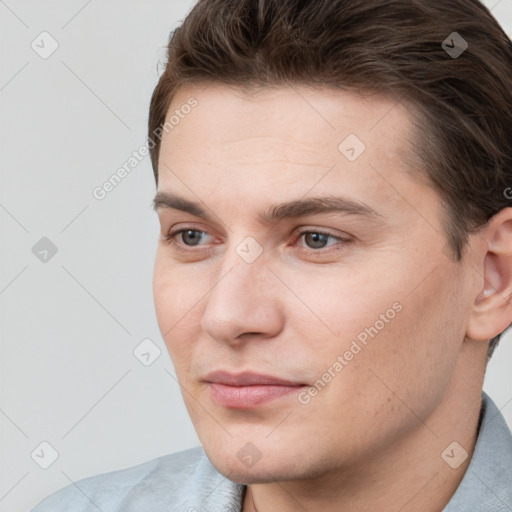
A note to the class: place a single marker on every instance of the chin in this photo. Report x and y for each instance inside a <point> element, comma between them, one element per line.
<point>271,468</point>
<point>260,473</point>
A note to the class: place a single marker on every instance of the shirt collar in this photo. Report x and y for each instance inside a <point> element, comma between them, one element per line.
<point>487,483</point>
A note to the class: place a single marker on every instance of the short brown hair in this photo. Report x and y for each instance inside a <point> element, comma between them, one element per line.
<point>464,101</point>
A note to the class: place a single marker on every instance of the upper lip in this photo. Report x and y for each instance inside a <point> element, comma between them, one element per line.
<point>247,378</point>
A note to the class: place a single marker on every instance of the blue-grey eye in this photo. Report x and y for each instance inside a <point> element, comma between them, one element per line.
<point>316,240</point>
<point>194,236</point>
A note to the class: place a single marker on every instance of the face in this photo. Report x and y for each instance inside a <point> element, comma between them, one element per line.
<point>295,277</point>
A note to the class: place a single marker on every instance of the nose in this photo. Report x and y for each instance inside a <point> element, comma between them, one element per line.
<point>244,303</point>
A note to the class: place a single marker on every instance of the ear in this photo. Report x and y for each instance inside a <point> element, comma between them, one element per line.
<point>492,309</point>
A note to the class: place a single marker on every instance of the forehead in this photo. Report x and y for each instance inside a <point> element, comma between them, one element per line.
<point>278,143</point>
<point>308,114</point>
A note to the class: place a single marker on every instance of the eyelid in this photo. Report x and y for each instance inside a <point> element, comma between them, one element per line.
<point>320,231</point>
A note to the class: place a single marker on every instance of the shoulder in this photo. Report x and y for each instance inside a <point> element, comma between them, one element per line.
<point>170,482</point>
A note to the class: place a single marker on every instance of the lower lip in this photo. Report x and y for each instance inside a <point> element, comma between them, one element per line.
<point>248,397</point>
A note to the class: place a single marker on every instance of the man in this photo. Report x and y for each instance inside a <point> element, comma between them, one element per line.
<point>334,268</point>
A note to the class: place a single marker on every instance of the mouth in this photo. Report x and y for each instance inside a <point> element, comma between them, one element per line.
<point>248,390</point>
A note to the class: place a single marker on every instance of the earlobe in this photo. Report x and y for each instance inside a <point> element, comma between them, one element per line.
<point>492,309</point>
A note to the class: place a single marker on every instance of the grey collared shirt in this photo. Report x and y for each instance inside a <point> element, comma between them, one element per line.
<point>187,481</point>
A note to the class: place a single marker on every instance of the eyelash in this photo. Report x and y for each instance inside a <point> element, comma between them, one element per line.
<point>170,240</point>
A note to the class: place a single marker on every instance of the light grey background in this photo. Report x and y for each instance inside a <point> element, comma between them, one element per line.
<point>68,375</point>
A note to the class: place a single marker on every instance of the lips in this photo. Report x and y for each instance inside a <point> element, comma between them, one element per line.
<point>248,390</point>
<point>248,379</point>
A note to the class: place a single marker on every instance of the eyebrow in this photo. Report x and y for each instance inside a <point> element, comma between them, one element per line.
<point>292,209</point>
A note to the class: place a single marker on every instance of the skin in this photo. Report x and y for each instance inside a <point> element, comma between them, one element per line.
<point>372,438</point>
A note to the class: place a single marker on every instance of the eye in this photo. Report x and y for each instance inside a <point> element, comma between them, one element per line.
<point>189,237</point>
<point>317,240</point>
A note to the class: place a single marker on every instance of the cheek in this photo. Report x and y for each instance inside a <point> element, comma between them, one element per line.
<point>414,355</point>
<point>178,295</point>
<point>386,361</point>
<point>381,320</point>
<point>176,287</point>
<point>341,304</point>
